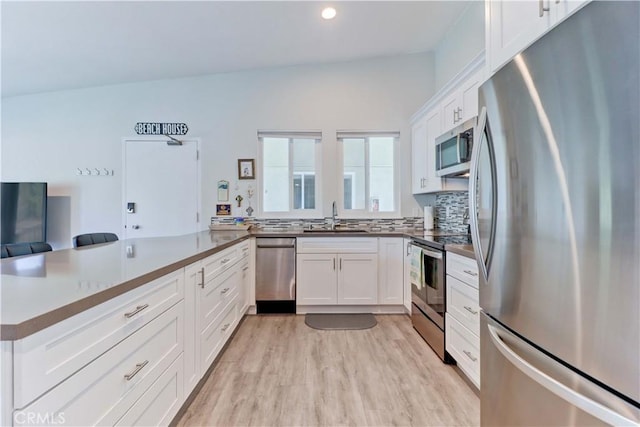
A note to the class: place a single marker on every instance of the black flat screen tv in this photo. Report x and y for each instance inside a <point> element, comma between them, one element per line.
<point>23,212</point>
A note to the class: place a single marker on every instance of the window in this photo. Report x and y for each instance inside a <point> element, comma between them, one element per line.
<point>370,177</point>
<point>290,165</point>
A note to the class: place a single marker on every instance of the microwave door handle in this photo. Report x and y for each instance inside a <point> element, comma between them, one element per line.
<point>459,147</point>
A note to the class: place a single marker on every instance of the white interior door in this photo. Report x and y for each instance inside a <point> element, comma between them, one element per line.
<point>161,188</point>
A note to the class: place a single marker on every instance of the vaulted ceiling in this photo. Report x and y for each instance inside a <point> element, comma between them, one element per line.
<point>52,45</point>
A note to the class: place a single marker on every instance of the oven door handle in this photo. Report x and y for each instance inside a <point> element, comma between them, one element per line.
<point>432,254</point>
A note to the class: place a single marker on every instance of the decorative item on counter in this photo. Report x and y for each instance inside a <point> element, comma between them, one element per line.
<point>238,220</point>
<point>246,169</point>
<point>239,199</point>
<point>223,191</point>
<point>223,210</point>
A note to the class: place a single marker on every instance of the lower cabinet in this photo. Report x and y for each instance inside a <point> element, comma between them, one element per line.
<point>390,270</point>
<point>462,320</point>
<point>161,402</point>
<point>134,359</point>
<point>105,390</point>
<point>357,279</point>
<point>316,279</point>
<point>330,279</point>
<point>406,282</point>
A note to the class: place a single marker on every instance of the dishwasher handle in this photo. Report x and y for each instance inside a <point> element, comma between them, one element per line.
<point>275,246</point>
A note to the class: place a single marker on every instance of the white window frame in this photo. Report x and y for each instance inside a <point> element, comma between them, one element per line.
<point>291,213</point>
<point>303,176</point>
<point>365,213</point>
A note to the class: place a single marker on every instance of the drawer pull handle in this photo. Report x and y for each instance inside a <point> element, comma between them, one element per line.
<point>139,367</point>
<point>136,311</point>
<point>224,261</point>
<point>470,356</point>
<point>470,310</point>
<point>471,273</point>
<point>202,282</point>
<point>224,291</point>
<point>225,327</point>
<point>245,269</point>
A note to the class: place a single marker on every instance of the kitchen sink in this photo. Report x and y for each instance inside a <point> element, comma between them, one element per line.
<point>335,230</point>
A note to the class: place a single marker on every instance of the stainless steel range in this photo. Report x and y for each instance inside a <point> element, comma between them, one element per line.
<point>428,289</point>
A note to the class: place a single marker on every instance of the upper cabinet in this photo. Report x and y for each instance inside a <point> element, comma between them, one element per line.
<point>462,104</point>
<point>454,104</point>
<point>514,25</point>
<point>419,156</point>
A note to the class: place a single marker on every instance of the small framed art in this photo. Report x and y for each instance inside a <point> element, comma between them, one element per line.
<point>246,169</point>
<point>223,209</point>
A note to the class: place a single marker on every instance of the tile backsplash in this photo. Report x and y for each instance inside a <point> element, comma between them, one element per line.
<point>451,214</point>
<point>452,211</point>
<point>415,223</point>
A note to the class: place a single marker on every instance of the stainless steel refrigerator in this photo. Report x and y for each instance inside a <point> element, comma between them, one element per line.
<point>555,199</point>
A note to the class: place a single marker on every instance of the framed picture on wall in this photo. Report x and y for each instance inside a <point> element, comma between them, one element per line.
<point>246,169</point>
<point>223,191</point>
<point>223,209</point>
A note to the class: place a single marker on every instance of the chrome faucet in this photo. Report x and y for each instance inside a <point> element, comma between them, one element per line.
<point>334,214</point>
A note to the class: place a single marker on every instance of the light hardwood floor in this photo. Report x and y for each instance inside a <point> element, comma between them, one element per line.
<point>279,372</point>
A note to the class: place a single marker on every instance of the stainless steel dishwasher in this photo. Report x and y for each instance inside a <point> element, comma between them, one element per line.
<point>275,275</point>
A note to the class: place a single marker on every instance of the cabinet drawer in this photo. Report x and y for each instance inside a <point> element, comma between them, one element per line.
<point>46,358</point>
<point>341,245</point>
<point>464,347</point>
<point>217,263</point>
<point>463,268</point>
<point>216,294</point>
<point>102,392</point>
<point>161,402</point>
<point>462,303</point>
<point>216,334</point>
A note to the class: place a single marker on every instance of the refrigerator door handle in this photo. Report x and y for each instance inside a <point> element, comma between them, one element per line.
<point>588,405</point>
<point>473,190</point>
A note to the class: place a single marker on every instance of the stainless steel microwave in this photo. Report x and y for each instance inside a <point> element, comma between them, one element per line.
<point>453,150</point>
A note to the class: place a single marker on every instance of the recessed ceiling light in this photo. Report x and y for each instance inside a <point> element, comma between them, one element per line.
<point>328,13</point>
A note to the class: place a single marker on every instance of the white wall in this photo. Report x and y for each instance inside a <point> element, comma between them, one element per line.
<point>46,137</point>
<point>463,42</point>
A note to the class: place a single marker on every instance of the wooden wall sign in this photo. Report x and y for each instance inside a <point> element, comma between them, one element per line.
<point>144,128</point>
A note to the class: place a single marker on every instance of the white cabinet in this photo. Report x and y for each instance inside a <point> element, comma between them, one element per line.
<point>358,279</point>
<point>103,392</point>
<point>47,358</point>
<point>419,156</point>
<point>407,276</point>
<point>330,279</point>
<point>455,104</point>
<point>337,271</point>
<point>215,287</point>
<point>514,25</point>
<point>462,320</point>
<point>390,270</point>
<point>462,104</point>
<point>316,279</point>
